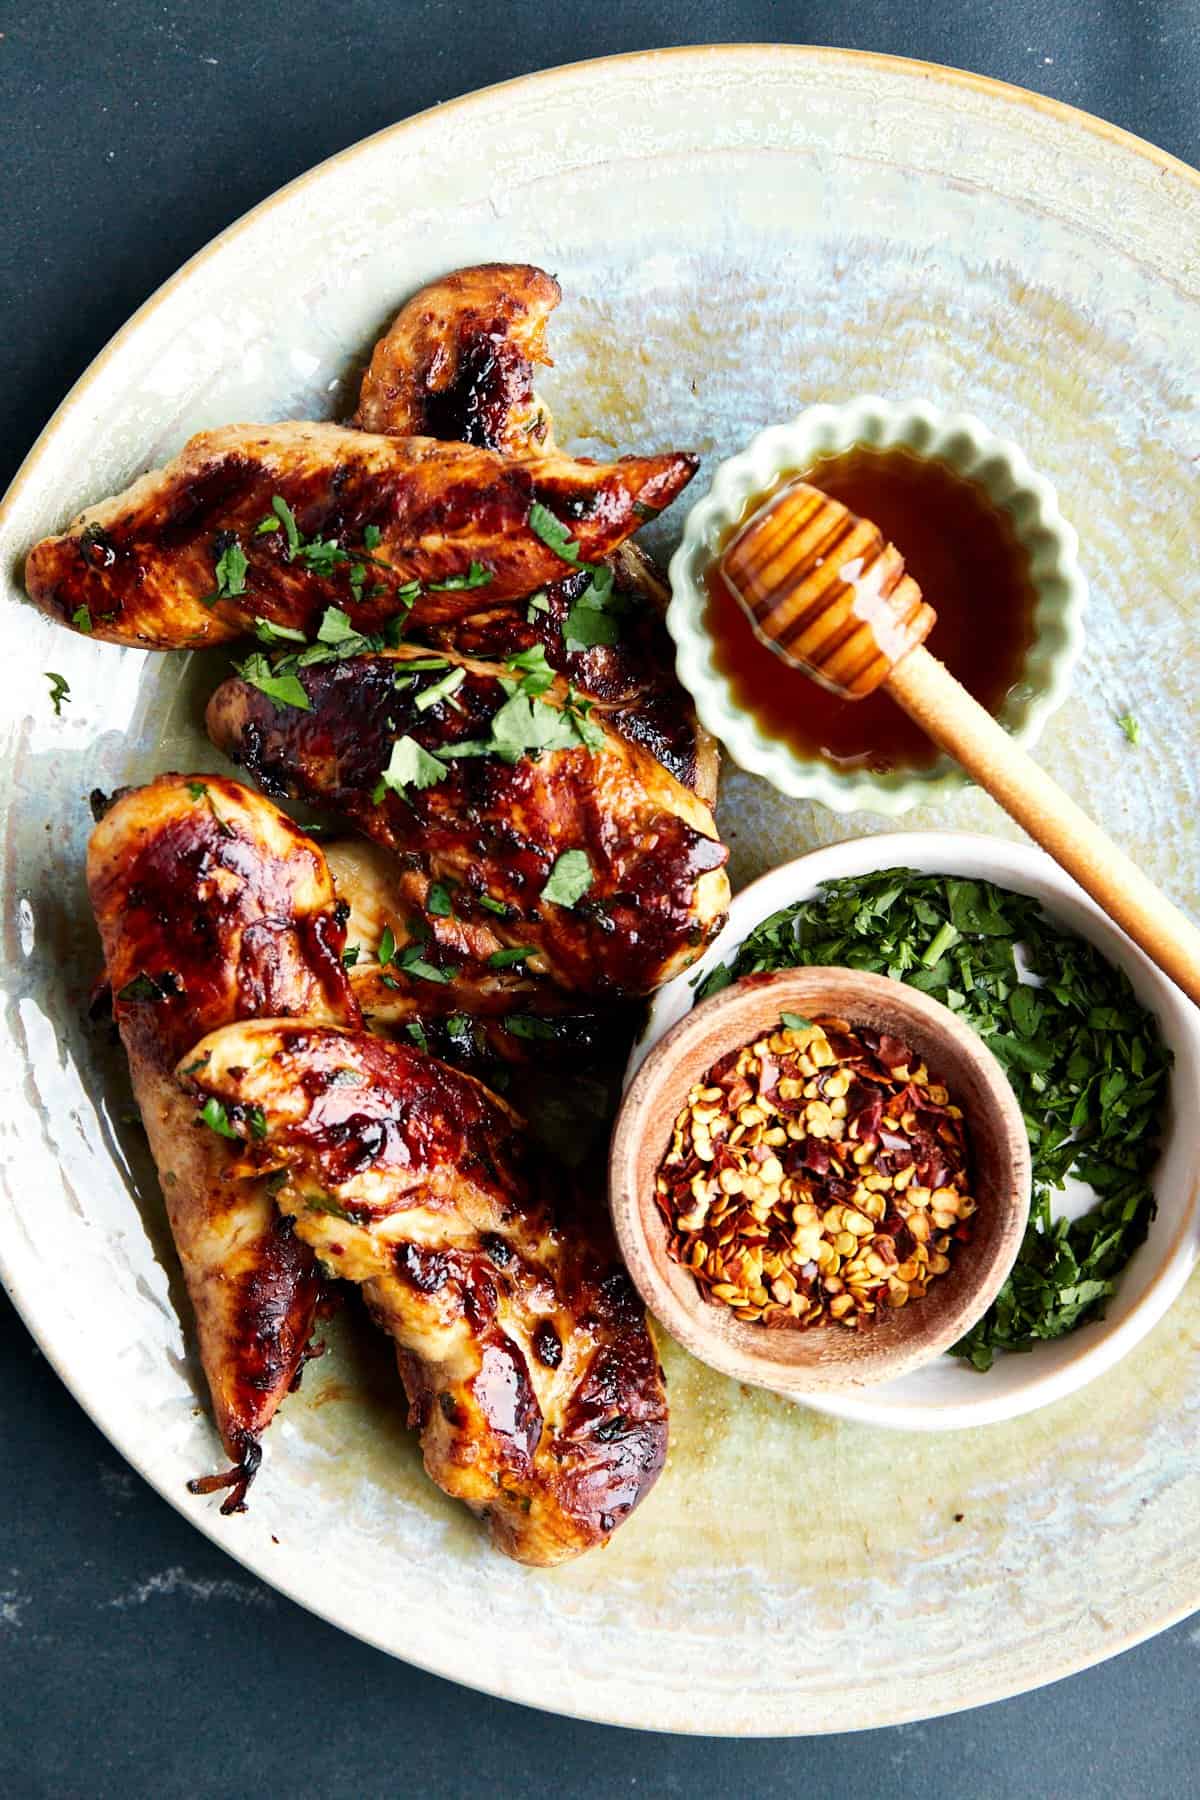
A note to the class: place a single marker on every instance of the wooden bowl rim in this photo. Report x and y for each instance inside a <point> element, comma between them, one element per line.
<point>748,1352</point>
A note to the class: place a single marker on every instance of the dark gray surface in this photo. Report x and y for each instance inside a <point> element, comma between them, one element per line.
<point>136,1659</point>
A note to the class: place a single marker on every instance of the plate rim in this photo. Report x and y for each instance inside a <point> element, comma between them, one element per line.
<point>803,57</point>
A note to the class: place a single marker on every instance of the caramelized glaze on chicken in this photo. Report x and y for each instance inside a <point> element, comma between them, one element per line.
<point>457,361</point>
<point>212,907</point>
<point>496,827</point>
<point>529,1368</point>
<point>179,559</point>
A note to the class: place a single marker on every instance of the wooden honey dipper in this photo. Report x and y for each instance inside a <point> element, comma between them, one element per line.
<point>829,594</point>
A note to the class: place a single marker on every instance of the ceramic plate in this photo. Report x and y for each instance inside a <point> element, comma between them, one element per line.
<point>739,233</point>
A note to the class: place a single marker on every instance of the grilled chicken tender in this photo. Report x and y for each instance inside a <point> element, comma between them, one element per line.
<point>481,1015</point>
<point>657,889</point>
<point>529,1368</point>
<point>632,681</point>
<point>145,568</point>
<point>212,907</point>
<point>457,361</point>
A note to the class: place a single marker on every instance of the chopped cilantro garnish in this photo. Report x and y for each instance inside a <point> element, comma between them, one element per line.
<point>539,603</point>
<point>230,571</point>
<point>144,987</point>
<point>387,947</point>
<point>477,576</point>
<point>535,670</point>
<point>440,690</point>
<point>350,956</point>
<point>494,906</point>
<point>569,879</point>
<point>505,959</point>
<point>269,633</point>
<point>287,519</point>
<point>283,689</point>
<point>60,690</point>
<point>437,902</point>
<point>372,537</point>
<point>416,1032</point>
<point>256,1118</point>
<point>81,619</point>
<point>1130,727</point>
<point>794,1022</point>
<point>552,532</point>
<point>526,1025</point>
<point>213,1114</point>
<point>409,766</point>
<point>593,618</point>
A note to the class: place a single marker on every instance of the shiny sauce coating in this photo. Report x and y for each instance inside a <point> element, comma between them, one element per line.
<point>963,552</point>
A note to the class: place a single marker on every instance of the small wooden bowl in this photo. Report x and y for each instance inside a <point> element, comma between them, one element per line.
<point>778,1357</point>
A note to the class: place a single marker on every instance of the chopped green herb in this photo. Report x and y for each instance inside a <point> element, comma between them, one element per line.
<point>477,576</point>
<point>594,616</point>
<point>440,690</point>
<point>553,534</point>
<point>409,766</point>
<point>276,1180</point>
<point>60,690</point>
<point>350,956</point>
<point>494,906</point>
<point>539,603</point>
<point>335,627</point>
<point>268,633</point>
<point>1130,727</point>
<point>505,959</point>
<point>264,526</point>
<point>230,571</point>
<point>437,902</point>
<point>537,673</point>
<point>416,1032</point>
<point>569,879</point>
<point>578,709</point>
<point>323,556</point>
<point>256,1118</point>
<point>522,727</point>
<point>283,689</point>
<point>81,619</point>
<point>372,537</point>
<point>144,987</point>
<point>794,1022</point>
<point>199,791</point>
<point>287,519</point>
<point>387,947</point>
<point>324,1204</point>
<point>1085,1059</point>
<point>213,1114</point>
<point>527,1025</point>
<point>414,664</point>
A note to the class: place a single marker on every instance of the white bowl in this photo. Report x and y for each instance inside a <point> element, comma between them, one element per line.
<point>966,445</point>
<point>948,1393</point>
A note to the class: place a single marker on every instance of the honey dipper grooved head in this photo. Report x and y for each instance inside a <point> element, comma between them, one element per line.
<point>826,590</point>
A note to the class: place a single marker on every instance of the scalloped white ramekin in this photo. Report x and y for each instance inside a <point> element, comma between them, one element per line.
<point>966,444</point>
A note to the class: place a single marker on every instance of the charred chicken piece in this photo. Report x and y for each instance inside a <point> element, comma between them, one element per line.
<point>457,361</point>
<point>558,1058</point>
<point>632,680</point>
<point>278,522</point>
<point>494,789</point>
<point>212,907</point>
<point>527,1361</point>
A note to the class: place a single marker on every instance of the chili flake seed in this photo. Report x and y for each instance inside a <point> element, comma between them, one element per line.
<point>816,1174</point>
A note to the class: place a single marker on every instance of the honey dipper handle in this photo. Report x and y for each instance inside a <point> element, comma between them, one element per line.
<point>928,692</point>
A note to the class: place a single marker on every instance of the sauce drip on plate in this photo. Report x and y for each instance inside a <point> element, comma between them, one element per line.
<point>964,553</point>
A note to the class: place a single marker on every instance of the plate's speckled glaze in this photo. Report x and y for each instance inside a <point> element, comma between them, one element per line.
<point>739,233</point>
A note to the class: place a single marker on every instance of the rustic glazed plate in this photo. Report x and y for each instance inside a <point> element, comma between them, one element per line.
<point>739,233</point>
